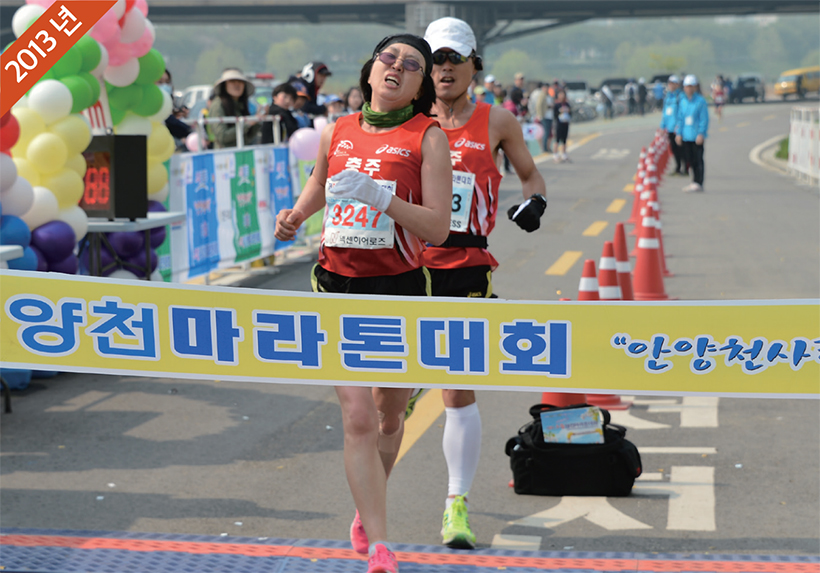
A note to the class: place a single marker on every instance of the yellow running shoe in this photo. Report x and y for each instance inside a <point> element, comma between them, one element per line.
<point>411,404</point>
<point>455,526</point>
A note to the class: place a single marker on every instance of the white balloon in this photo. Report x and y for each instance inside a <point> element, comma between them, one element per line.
<point>25,15</point>
<point>100,69</point>
<point>123,274</point>
<point>51,99</point>
<point>132,124</point>
<point>123,75</point>
<point>160,195</point>
<point>45,208</point>
<point>18,198</point>
<point>119,8</point>
<point>156,276</point>
<point>8,172</point>
<point>4,265</point>
<point>166,109</point>
<point>132,27</point>
<point>76,218</point>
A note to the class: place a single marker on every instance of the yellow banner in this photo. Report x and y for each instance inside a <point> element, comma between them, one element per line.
<point>727,348</point>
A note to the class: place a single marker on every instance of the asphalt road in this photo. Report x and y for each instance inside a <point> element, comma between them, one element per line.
<point>91,452</point>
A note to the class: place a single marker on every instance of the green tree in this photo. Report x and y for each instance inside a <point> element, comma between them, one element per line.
<point>285,57</point>
<point>212,61</point>
<point>512,61</point>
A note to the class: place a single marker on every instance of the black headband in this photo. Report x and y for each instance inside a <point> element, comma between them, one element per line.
<point>416,42</point>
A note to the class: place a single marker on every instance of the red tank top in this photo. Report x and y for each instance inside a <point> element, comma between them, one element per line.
<point>394,160</point>
<point>472,160</point>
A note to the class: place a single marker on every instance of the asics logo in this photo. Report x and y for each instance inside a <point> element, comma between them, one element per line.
<point>469,144</point>
<point>393,151</point>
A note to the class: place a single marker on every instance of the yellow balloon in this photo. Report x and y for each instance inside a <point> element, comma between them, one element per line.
<point>75,132</point>
<point>158,141</point>
<point>31,125</point>
<point>67,186</point>
<point>27,171</point>
<point>47,153</point>
<point>77,164</point>
<point>157,177</point>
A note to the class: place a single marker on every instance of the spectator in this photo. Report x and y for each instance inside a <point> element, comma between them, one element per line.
<point>232,91</point>
<point>517,91</point>
<point>668,121</point>
<point>538,107</point>
<point>302,97</point>
<point>562,112</point>
<point>354,100</point>
<point>313,76</point>
<point>179,130</point>
<point>489,89</point>
<point>609,101</point>
<point>641,96</point>
<point>657,93</point>
<point>283,99</point>
<point>691,128</point>
<point>718,96</point>
<point>335,107</point>
<point>631,96</point>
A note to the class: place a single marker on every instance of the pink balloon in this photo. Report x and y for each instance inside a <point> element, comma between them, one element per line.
<point>119,54</point>
<point>192,142</point>
<point>133,25</point>
<point>142,6</point>
<point>105,28</point>
<point>43,3</point>
<point>144,44</point>
<point>304,143</point>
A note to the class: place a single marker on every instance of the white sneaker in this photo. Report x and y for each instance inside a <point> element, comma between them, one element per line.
<point>689,188</point>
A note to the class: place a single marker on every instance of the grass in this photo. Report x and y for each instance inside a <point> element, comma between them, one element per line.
<point>783,150</point>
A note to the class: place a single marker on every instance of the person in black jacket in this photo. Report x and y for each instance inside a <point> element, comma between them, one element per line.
<point>282,100</point>
<point>313,76</point>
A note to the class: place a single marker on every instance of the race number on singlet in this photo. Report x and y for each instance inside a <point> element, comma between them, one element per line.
<point>354,225</point>
<point>462,200</point>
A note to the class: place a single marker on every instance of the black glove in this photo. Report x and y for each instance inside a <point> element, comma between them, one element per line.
<point>527,215</point>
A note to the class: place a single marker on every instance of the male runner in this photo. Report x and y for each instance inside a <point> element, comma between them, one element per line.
<point>462,266</point>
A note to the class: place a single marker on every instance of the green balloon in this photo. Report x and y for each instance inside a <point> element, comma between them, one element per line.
<point>152,66</point>
<point>80,92</point>
<point>90,51</point>
<point>94,84</point>
<point>117,115</point>
<point>49,75</point>
<point>151,103</point>
<point>68,65</point>
<point>125,98</point>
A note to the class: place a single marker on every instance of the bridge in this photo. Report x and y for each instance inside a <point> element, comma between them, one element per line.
<point>493,20</point>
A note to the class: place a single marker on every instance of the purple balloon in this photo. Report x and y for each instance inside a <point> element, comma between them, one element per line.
<point>106,258</point>
<point>156,206</point>
<point>67,266</point>
<point>139,260</point>
<point>157,236</point>
<point>127,244</point>
<point>42,263</point>
<point>55,239</point>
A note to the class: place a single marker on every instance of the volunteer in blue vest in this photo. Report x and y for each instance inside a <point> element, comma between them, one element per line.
<point>691,128</point>
<point>668,121</point>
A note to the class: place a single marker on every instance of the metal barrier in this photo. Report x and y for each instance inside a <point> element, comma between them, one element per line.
<point>804,144</point>
<point>239,124</point>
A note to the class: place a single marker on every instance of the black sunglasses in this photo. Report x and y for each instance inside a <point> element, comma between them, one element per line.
<point>440,57</point>
<point>389,58</point>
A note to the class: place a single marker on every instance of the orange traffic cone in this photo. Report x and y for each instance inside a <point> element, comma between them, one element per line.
<point>562,399</point>
<point>622,263</point>
<point>588,287</point>
<point>651,207</point>
<point>608,401</point>
<point>635,215</point>
<point>648,278</point>
<point>608,288</point>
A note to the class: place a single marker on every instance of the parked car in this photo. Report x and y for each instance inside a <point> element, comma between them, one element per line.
<point>662,78</point>
<point>748,86</point>
<point>808,78</point>
<point>577,91</point>
<point>195,98</point>
<point>615,84</point>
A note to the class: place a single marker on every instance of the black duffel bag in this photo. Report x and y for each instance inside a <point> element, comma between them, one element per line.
<point>540,468</point>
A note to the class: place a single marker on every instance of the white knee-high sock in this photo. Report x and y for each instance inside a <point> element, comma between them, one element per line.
<point>462,447</point>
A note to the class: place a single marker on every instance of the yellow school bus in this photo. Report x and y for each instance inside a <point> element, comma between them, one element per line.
<point>798,82</point>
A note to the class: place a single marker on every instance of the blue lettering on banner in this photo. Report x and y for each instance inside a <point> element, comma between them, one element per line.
<point>47,329</point>
<point>135,325</point>
<point>368,342</point>
<point>202,225</point>
<point>281,190</point>
<point>280,337</point>
<point>466,345</point>
<point>534,348</point>
<point>206,334</point>
<point>752,357</point>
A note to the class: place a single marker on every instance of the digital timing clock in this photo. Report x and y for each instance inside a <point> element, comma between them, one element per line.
<point>116,177</point>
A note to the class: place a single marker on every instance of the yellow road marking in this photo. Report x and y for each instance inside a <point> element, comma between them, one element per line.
<point>428,409</point>
<point>629,187</point>
<point>564,263</point>
<point>571,146</point>
<point>724,129</point>
<point>744,124</point>
<point>616,206</point>
<point>595,229</point>
<point>769,117</point>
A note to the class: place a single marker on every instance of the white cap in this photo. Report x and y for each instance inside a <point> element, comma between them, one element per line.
<point>451,33</point>
<point>690,80</point>
<point>673,79</point>
<point>490,79</point>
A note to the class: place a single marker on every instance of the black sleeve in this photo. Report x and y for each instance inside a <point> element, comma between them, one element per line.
<point>178,129</point>
<point>314,109</point>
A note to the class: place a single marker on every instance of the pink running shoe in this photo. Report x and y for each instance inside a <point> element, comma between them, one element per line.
<point>358,536</point>
<point>382,561</point>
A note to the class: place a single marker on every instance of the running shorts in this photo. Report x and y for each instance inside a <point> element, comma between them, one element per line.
<point>470,282</point>
<point>411,283</point>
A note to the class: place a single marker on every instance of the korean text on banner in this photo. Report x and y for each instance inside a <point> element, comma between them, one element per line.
<point>44,43</point>
<point>727,348</point>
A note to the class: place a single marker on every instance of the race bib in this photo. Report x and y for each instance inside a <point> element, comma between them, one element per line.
<point>463,184</point>
<point>669,110</point>
<point>352,224</point>
<point>690,120</point>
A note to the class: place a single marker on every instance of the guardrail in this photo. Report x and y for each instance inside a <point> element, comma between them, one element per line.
<point>239,124</point>
<point>804,144</point>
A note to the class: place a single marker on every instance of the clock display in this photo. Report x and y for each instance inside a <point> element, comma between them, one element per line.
<point>116,177</point>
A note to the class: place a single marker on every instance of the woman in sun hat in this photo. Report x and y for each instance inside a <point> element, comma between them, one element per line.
<point>232,91</point>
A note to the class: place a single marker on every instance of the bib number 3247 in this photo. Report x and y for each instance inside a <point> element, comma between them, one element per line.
<point>354,225</point>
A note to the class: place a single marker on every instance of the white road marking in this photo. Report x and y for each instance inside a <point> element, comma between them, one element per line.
<point>625,418</point>
<point>676,450</point>
<point>651,476</point>
<point>691,492</point>
<point>594,509</point>
<point>695,411</point>
<point>610,154</point>
<point>516,542</point>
